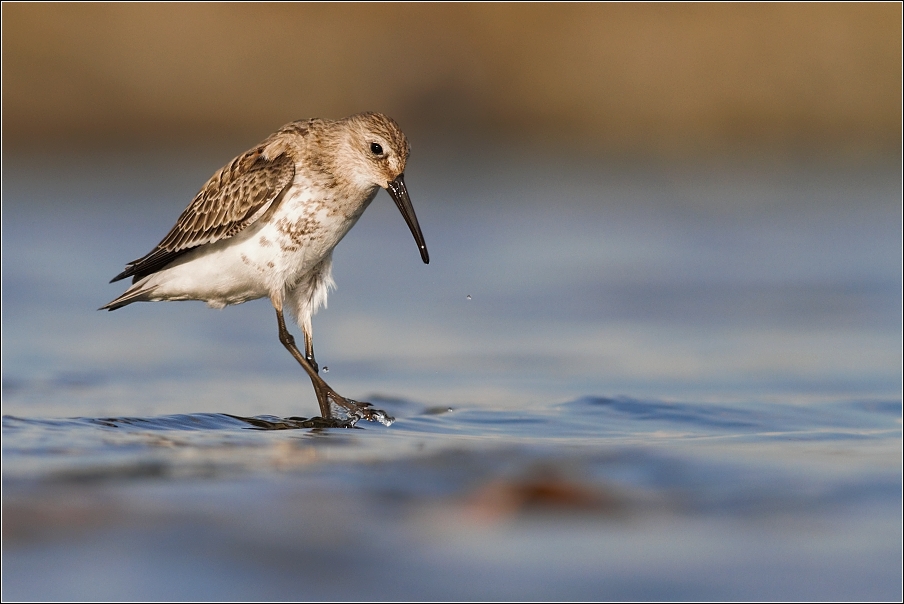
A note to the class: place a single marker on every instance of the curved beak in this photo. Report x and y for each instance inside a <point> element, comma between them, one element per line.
<point>399,194</point>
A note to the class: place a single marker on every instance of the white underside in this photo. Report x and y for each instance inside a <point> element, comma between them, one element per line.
<point>262,261</point>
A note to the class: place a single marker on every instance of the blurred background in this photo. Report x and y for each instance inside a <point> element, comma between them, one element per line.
<point>656,354</point>
<point>623,79</point>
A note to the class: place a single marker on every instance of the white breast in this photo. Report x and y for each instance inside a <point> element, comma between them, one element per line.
<point>267,259</point>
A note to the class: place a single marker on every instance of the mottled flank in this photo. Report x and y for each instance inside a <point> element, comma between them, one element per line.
<point>265,225</point>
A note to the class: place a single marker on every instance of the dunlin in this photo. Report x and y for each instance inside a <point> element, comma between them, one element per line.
<point>265,225</point>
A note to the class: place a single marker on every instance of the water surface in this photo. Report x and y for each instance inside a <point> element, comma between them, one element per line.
<point>611,382</point>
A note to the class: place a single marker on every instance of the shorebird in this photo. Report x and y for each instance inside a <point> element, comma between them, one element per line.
<point>266,223</point>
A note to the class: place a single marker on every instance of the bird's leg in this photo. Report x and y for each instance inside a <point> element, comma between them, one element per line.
<point>288,340</point>
<point>326,395</point>
<point>309,346</point>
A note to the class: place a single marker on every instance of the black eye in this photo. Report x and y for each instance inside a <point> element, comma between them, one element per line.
<point>376,149</point>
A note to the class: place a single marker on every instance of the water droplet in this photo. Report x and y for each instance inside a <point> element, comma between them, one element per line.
<point>382,417</point>
<point>326,369</point>
<point>468,296</point>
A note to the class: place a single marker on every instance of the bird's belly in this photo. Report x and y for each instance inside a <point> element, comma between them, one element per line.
<point>266,260</point>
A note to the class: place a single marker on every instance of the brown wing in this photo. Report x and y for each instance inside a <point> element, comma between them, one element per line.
<point>236,196</point>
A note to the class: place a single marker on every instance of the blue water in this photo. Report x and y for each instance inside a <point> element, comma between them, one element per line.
<point>611,382</point>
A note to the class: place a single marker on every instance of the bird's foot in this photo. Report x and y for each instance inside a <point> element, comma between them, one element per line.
<point>293,423</point>
<point>356,410</point>
<point>321,422</point>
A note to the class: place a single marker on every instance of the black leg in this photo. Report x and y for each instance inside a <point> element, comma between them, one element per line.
<point>309,350</point>
<point>326,396</point>
<point>288,340</point>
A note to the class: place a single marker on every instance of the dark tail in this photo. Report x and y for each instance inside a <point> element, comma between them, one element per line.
<point>131,295</point>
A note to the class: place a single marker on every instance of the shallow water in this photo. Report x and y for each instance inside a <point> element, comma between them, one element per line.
<point>610,383</point>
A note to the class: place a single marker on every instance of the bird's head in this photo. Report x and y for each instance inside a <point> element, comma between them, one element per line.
<point>374,151</point>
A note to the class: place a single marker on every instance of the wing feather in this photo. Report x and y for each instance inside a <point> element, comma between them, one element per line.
<point>235,196</point>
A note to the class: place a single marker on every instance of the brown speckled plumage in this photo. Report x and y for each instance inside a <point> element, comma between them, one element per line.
<point>234,197</point>
<point>266,223</point>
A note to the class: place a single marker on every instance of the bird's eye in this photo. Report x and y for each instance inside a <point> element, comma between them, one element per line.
<point>376,149</point>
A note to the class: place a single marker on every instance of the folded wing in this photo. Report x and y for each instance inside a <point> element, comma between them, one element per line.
<point>235,197</point>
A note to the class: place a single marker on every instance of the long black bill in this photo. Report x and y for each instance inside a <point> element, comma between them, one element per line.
<point>399,195</point>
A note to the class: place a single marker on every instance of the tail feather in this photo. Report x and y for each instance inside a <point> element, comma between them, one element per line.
<point>133,294</point>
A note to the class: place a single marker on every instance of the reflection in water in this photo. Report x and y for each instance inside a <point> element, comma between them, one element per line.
<point>542,492</point>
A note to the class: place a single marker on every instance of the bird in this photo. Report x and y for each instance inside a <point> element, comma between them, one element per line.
<point>265,226</point>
